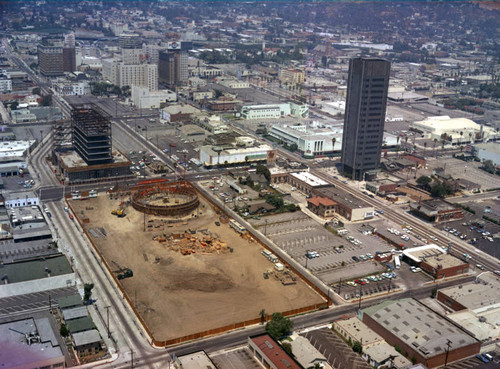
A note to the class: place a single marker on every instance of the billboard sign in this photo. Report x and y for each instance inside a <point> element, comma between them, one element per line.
<point>174,45</point>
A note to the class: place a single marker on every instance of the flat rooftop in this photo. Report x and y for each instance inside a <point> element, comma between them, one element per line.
<point>417,253</point>
<point>418,326</point>
<point>437,205</point>
<point>342,197</point>
<point>71,159</point>
<point>196,360</point>
<point>359,330</point>
<point>477,296</point>
<point>273,351</point>
<point>86,338</point>
<point>16,352</point>
<point>36,269</point>
<point>309,179</point>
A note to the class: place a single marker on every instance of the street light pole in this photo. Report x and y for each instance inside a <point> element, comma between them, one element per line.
<point>107,313</point>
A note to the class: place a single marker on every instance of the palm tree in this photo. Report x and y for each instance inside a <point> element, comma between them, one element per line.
<point>434,146</point>
<point>263,316</point>
<point>461,134</point>
<point>334,140</point>
<point>443,141</point>
<point>425,147</point>
<point>470,137</point>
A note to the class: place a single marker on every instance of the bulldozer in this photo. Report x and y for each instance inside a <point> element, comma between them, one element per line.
<point>122,272</point>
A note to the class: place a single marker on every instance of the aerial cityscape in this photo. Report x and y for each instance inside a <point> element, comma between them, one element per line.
<point>249,184</point>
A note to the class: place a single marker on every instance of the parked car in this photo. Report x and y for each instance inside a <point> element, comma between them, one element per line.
<point>355,259</point>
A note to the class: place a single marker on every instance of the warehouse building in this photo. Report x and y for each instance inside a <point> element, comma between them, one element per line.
<point>306,182</point>
<point>426,336</point>
<point>436,127</point>
<point>354,330</point>
<point>476,305</point>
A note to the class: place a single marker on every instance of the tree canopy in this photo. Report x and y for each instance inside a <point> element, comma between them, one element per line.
<point>279,326</point>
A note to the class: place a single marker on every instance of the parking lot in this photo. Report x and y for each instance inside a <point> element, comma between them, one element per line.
<point>297,234</point>
<point>467,226</point>
<point>475,363</point>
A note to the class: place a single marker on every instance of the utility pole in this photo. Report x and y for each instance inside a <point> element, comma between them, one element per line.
<point>448,344</point>
<point>265,230</point>
<point>107,314</point>
<point>360,294</point>
<point>132,358</point>
<point>340,284</point>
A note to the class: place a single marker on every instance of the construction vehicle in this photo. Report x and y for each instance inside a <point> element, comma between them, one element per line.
<point>122,272</point>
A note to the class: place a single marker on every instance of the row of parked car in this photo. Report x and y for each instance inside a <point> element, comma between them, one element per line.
<point>372,278</point>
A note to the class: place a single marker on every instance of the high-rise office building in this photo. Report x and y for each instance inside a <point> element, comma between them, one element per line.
<point>173,63</point>
<point>50,58</point>
<point>367,87</point>
<point>91,135</point>
<point>57,55</point>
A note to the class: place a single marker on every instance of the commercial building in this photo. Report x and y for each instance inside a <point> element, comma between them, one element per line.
<point>138,75</point>
<point>143,98</point>
<point>30,343</point>
<point>307,355</point>
<point>50,58</point>
<point>305,182</point>
<point>5,84</point>
<point>382,353</point>
<point>292,76</point>
<point>212,156</point>
<point>433,260</point>
<point>20,199</point>
<point>354,330</point>
<point>479,296</point>
<point>346,205</point>
<point>269,353</point>
<point>173,63</point>
<point>382,186</point>
<point>368,83</point>
<point>87,342</point>
<point>178,113</point>
<point>426,336</point>
<point>476,305</point>
<point>444,126</point>
<point>195,360</point>
<point>56,56</point>
<point>72,88</point>
<point>274,111</point>
<point>311,140</point>
<point>436,210</point>
<point>122,74</point>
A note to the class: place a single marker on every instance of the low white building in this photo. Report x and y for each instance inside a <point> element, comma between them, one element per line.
<point>20,199</point>
<point>72,89</point>
<point>233,83</point>
<point>310,139</point>
<point>5,84</point>
<point>461,130</point>
<point>488,151</point>
<point>211,156</point>
<point>143,98</point>
<point>334,108</point>
<point>274,111</point>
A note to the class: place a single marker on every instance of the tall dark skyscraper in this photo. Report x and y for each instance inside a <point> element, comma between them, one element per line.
<point>91,135</point>
<point>367,87</point>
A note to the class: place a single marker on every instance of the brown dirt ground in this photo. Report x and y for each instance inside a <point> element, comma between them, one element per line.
<point>181,295</point>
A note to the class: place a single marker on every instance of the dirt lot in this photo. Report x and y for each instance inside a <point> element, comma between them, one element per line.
<point>179,295</point>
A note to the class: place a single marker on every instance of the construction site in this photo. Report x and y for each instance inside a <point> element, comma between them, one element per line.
<point>187,272</point>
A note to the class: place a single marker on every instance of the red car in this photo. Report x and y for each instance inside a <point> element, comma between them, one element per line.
<point>360,282</point>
